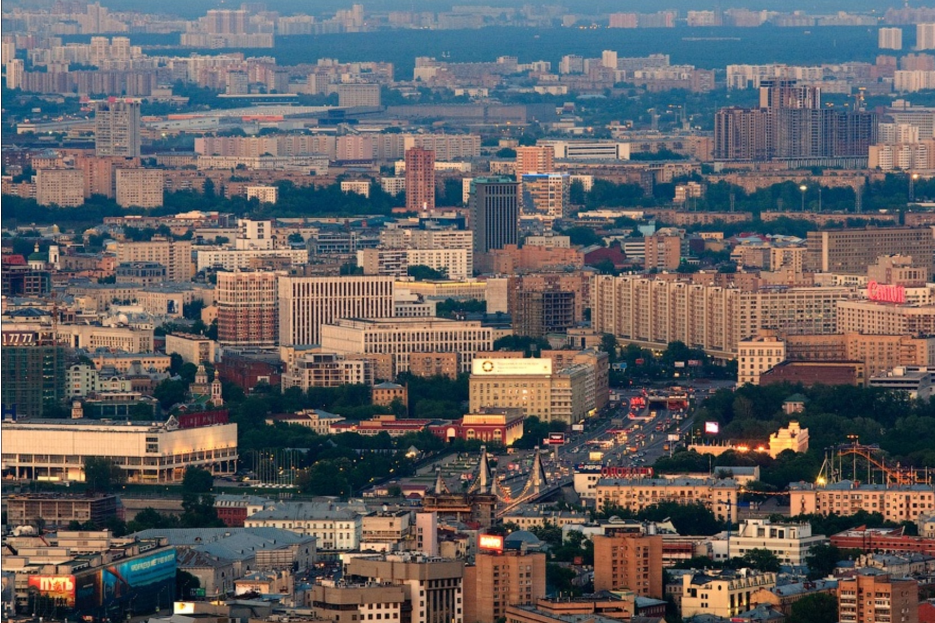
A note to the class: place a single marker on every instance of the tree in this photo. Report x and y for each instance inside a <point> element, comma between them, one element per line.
<point>185,583</point>
<point>425,273</point>
<point>822,560</point>
<point>197,480</point>
<point>761,559</point>
<point>816,608</point>
<point>102,474</point>
<point>170,393</point>
<point>583,236</point>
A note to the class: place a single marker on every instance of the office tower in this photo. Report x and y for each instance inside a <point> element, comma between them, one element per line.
<point>629,562</point>
<point>420,179</point>
<point>890,39</point>
<point>248,308</point>
<point>33,371</point>
<point>925,36</point>
<point>499,579</point>
<point>873,597</point>
<point>853,251</point>
<point>534,160</point>
<point>117,128</point>
<point>307,303</point>
<point>494,207</point>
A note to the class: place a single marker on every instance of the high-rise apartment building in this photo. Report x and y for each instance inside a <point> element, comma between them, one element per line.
<point>175,255</point>
<point>877,597</point>
<point>535,159</point>
<point>61,187</point>
<point>853,251</point>
<point>890,39</point>
<point>629,562</point>
<point>307,303</point>
<point>140,188</point>
<point>546,195</point>
<point>420,179</point>
<point>662,250</point>
<point>497,580</point>
<point>925,36</point>
<point>359,95</point>
<point>494,207</point>
<point>790,124</point>
<point>248,308</point>
<point>117,128</point>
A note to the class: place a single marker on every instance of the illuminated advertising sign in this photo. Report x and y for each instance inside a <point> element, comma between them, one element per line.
<point>556,439</point>
<point>490,542</point>
<point>60,588</point>
<point>626,472</point>
<point>712,428</point>
<point>121,580</point>
<point>493,367</point>
<point>886,294</point>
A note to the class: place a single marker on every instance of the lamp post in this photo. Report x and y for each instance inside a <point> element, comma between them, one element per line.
<point>912,186</point>
<point>803,188</point>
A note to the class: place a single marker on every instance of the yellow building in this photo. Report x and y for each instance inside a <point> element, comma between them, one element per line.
<point>792,437</point>
<point>895,503</point>
<point>756,355</point>
<point>719,496</point>
<point>533,386</point>
<point>725,595</point>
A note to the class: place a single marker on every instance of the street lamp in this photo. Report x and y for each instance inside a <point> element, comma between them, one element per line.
<point>912,186</point>
<point>803,188</point>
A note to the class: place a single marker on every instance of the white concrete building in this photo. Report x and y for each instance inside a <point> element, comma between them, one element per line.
<point>333,529</point>
<point>790,542</point>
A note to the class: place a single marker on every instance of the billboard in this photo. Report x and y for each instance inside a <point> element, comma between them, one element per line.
<point>885,294</point>
<point>490,542</point>
<point>626,472</point>
<point>673,437</point>
<point>556,439</point>
<point>492,367</point>
<point>120,581</point>
<point>712,428</point>
<point>59,588</point>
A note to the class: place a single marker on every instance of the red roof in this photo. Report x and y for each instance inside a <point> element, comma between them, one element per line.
<point>14,259</point>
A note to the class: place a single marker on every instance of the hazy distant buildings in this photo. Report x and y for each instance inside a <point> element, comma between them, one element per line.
<point>890,39</point>
<point>925,36</point>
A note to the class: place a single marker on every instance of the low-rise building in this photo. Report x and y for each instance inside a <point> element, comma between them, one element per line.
<point>333,528</point>
<point>349,603</point>
<point>790,542</point>
<point>758,354</point>
<point>320,369</point>
<point>501,426</point>
<point>195,349</point>
<point>871,596</point>
<point>385,531</point>
<point>792,437</point>
<point>318,420</point>
<point>55,510</point>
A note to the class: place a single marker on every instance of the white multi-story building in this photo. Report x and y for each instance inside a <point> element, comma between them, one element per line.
<point>146,452</point>
<point>320,369</point>
<point>402,337</point>
<point>243,259</point>
<point>890,39</point>
<point>790,542</point>
<point>333,529</point>
<point>263,194</point>
<point>308,303</point>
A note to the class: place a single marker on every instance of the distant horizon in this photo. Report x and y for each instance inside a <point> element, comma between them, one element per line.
<point>194,8</point>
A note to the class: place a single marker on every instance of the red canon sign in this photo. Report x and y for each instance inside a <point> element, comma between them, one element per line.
<point>886,294</point>
<point>626,472</point>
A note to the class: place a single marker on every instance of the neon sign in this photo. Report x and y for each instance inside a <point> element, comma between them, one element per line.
<point>886,294</point>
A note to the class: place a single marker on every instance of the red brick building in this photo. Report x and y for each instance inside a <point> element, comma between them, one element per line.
<point>889,540</point>
<point>500,426</point>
